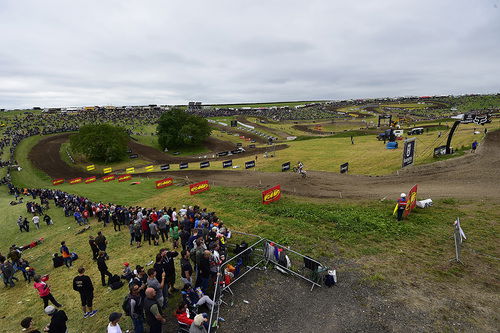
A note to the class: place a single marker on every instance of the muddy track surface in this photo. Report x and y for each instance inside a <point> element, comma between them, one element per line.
<point>45,155</point>
<point>474,176</point>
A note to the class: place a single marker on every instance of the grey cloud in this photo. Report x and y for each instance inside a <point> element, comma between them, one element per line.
<point>95,52</point>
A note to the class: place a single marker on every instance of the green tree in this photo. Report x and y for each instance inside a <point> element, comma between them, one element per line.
<point>177,128</point>
<point>101,143</point>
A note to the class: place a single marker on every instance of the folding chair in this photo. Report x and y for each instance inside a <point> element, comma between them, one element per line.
<point>183,328</point>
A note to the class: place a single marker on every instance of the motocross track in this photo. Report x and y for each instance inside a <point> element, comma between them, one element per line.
<point>473,176</point>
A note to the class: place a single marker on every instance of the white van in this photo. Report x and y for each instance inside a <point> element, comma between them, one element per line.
<point>398,133</point>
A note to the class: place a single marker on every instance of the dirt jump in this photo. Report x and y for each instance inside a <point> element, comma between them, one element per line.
<point>473,176</point>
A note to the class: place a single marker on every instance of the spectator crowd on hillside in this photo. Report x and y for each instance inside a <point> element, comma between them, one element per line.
<point>191,237</point>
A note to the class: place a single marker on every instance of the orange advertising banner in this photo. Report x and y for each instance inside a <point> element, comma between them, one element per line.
<point>124,178</point>
<point>75,180</point>
<point>199,187</point>
<point>164,183</point>
<point>108,178</point>
<point>271,195</point>
<point>90,179</point>
<point>412,200</point>
<point>57,181</point>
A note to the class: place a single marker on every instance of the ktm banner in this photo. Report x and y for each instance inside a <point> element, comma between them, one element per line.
<point>107,170</point>
<point>124,178</point>
<point>108,178</point>
<point>164,183</point>
<point>90,179</point>
<point>58,181</point>
<point>412,200</point>
<point>90,167</point>
<point>75,180</point>
<point>272,194</point>
<point>199,187</point>
<point>130,170</point>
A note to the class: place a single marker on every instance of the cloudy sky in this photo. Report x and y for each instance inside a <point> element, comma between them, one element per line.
<point>121,52</point>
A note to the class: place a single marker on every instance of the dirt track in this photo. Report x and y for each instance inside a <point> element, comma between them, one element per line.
<point>474,176</point>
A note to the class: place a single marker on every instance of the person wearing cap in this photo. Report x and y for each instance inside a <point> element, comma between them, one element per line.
<point>198,325</point>
<point>83,284</point>
<point>113,326</point>
<point>27,325</point>
<point>127,272</point>
<point>58,320</point>
<point>402,203</point>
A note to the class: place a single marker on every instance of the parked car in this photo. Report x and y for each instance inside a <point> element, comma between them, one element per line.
<point>416,130</point>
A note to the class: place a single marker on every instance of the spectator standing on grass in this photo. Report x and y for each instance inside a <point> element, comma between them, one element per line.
<point>474,146</point>
<point>83,284</point>
<point>186,268</point>
<point>153,282</point>
<point>152,311</point>
<point>103,268</point>
<point>138,234</point>
<point>20,224</point>
<point>167,261</point>
<point>184,237</point>
<point>7,271</point>
<point>145,230</point>
<point>204,271</point>
<point>131,232</point>
<point>174,235</point>
<point>66,254</point>
<point>136,306</point>
<point>402,203</point>
<point>43,289</point>
<point>26,224</point>
<point>28,325</point>
<point>153,230</point>
<point>94,248</point>
<point>101,243</point>
<point>116,223</point>
<point>113,326</point>
<point>58,320</point>
<point>36,221</point>
<point>162,227</point>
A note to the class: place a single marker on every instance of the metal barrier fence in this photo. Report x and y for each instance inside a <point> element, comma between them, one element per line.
<point>247,252</point>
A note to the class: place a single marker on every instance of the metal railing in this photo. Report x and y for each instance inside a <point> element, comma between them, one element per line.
<point>259,253</point>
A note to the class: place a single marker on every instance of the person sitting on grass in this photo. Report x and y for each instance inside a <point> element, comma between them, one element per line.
<point>28,325</point>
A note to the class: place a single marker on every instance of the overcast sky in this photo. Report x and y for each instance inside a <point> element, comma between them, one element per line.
<point>120,52</point>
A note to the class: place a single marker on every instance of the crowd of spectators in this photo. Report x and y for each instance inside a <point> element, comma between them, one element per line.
<point>198,247</point>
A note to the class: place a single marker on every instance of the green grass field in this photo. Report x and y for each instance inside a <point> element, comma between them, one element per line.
<point>364,231</point>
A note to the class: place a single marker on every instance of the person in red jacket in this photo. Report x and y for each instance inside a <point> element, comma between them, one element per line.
<point>182,314</point>
<point>44,291</point>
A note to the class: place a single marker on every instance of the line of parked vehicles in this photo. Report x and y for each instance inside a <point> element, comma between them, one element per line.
<point>390,134</point>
